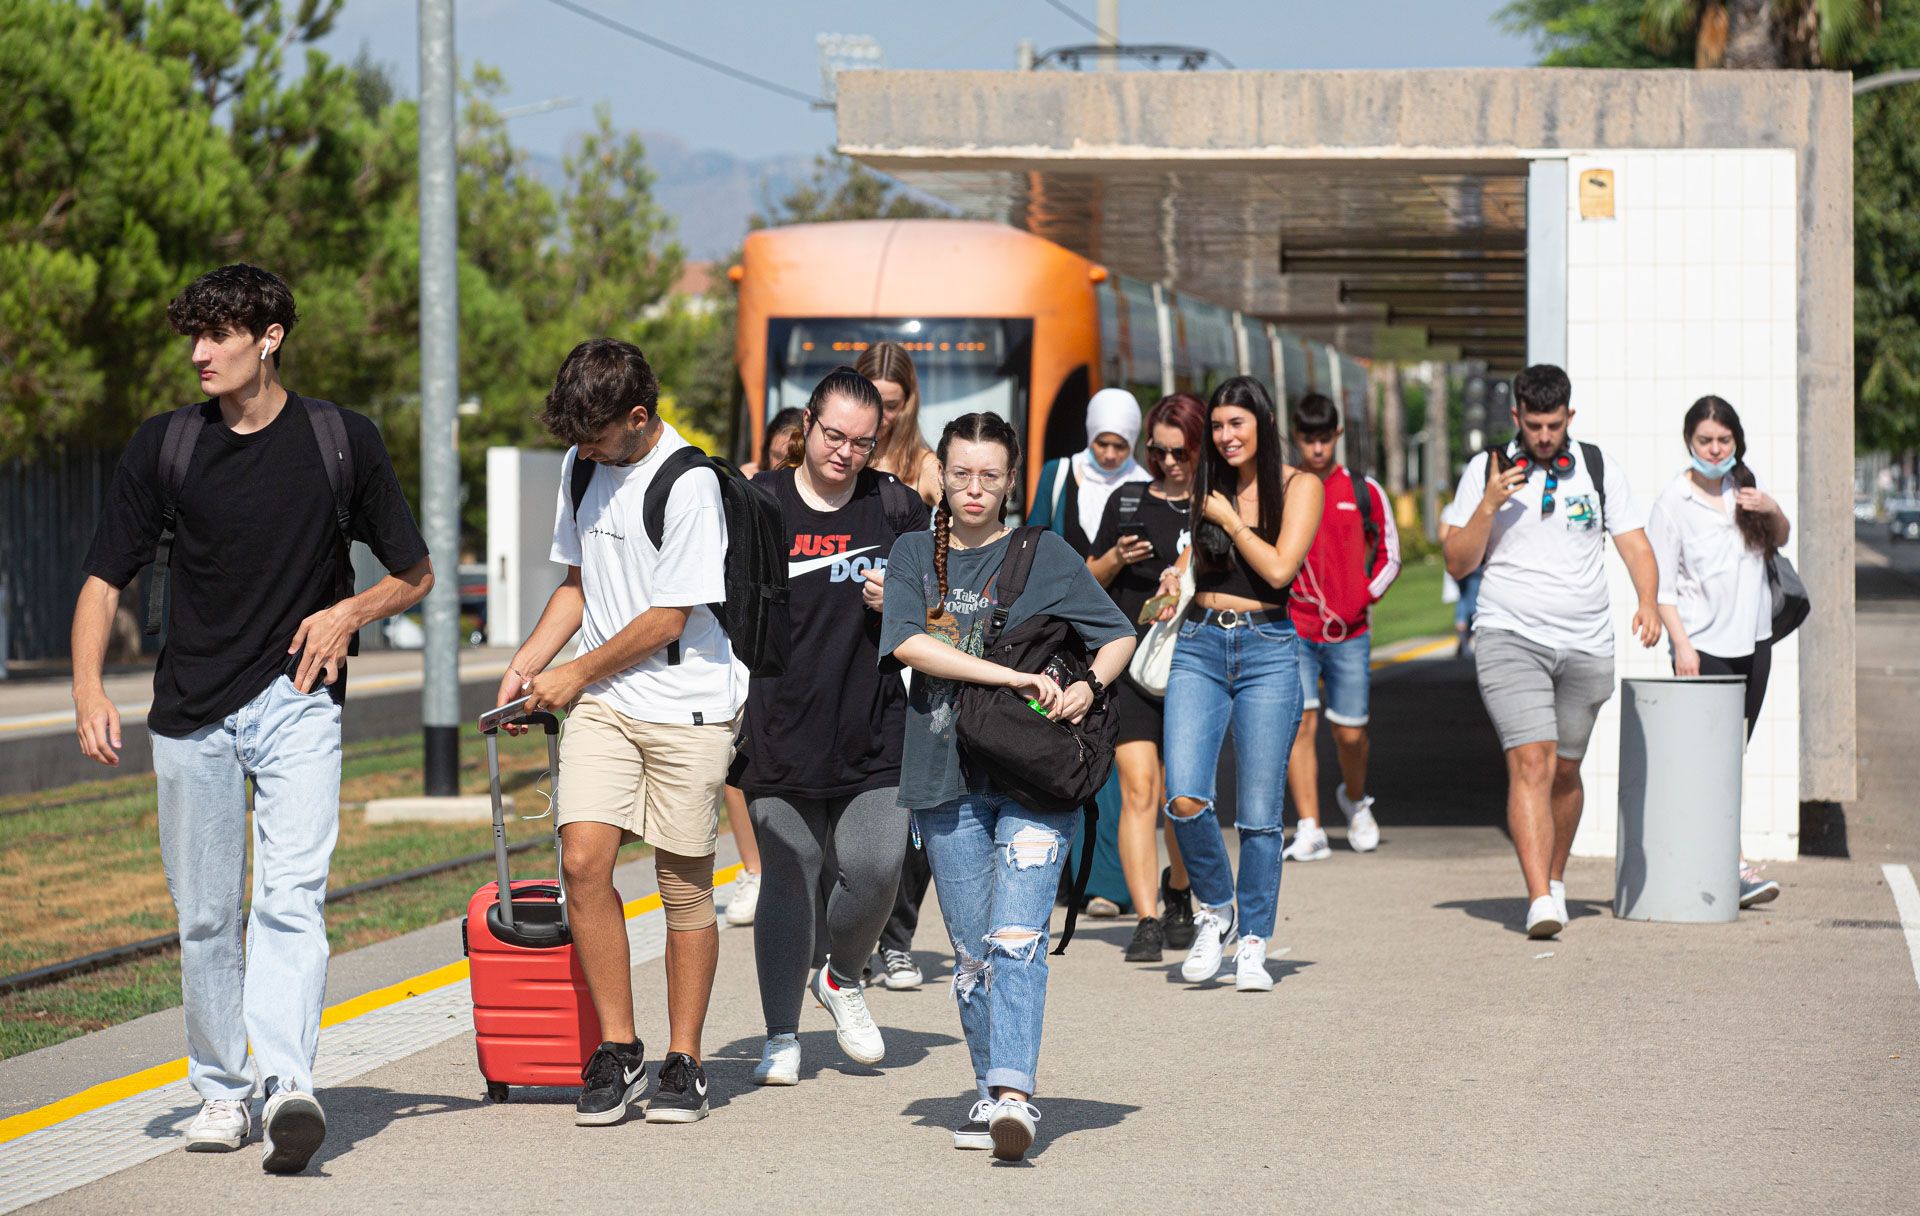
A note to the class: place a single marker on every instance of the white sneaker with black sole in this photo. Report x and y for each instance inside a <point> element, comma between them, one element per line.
<point>1211,929</point>
<point>292,1128</point>
<point>1250,965</point>
<point>973,1134</point>
<point>1011,1128</point>
<point>779,1061</point>
<point>222,1126</point>
<point>1543,918</point>
<point>852,1022</point>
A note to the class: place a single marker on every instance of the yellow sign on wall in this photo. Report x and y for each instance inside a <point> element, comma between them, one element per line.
<point>1596,194</point>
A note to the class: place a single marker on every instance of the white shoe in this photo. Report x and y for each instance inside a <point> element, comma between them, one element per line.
<point>1309,844</point>
<point>745,900</point>
<point>1250,965</point>
<point>1211,928</point>
<point>973,1134</point>
<point>292,1128</point>
<point>852,1023</point>
<point>1011,1127</point>
<point>222,1126</point>
<point>1558,890</point>
<point>779,1061</point>
<point>1363,834</point>
<point>1543,918</point>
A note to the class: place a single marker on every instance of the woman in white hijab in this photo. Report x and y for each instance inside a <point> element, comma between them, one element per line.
<point>1073,490</point>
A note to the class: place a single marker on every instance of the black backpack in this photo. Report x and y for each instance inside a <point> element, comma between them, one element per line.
<point>755,612</point>
<point>1046,764</point>
<point>176,453</point>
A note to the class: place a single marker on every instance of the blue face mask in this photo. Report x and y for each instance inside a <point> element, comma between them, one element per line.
<point>1713,470</point>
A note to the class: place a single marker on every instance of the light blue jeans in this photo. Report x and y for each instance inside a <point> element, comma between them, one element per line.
<point>1249,677</point>
<point>996,866</point>
<point>268,987</point>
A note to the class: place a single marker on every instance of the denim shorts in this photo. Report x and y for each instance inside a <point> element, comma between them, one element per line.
<point>1347,669</point>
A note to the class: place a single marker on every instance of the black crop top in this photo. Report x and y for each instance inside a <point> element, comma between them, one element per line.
<point>1240,580</point>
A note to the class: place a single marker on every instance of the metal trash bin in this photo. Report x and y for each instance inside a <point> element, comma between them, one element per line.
<point>1677,856</point>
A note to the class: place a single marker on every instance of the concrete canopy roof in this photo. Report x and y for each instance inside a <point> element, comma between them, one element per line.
<point>1382,211</point>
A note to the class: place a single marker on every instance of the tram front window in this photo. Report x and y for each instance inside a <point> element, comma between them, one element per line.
<point>963,364</point>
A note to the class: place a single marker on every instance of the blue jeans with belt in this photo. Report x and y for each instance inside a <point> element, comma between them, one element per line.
<point>1248,677</point>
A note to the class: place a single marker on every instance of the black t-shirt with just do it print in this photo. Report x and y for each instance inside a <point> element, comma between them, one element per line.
<point>831,726</point>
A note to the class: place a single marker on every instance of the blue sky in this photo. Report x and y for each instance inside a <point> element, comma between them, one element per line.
<point>547,51</point>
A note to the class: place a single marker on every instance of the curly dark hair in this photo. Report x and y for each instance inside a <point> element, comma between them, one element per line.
<point>238,297</point>
<point>599,384</point>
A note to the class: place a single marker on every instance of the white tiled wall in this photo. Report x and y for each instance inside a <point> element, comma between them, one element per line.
<point>1689,290</point>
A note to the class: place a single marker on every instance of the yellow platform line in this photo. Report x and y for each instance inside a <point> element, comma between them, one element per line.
<point>1423,651</point>
<point>108,1092</point>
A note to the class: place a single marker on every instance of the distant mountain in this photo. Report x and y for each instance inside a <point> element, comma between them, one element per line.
<point>710,194</point>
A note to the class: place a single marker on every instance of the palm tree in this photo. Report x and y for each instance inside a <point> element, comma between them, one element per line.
<point>1762,33</point>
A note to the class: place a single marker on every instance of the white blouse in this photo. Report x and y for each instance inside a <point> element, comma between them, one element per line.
<point>1707,570</point>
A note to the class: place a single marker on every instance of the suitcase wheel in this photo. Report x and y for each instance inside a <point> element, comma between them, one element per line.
<point>497,1091</point>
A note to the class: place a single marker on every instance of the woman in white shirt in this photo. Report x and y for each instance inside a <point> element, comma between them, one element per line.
<point>1713,529</point>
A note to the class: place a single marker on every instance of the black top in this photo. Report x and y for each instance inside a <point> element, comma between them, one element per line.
<point>1240,580</point>
<point>257,551</point>
<point>1166,524</point>
<point>831,727</point>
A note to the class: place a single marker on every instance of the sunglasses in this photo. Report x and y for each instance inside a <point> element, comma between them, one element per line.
<point>1162,452</point>
<point>1553,467</point>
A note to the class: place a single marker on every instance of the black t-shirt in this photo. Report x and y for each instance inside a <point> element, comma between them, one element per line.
<point>831,727</point>
<point>256,551</point>
<point>1166,524</point>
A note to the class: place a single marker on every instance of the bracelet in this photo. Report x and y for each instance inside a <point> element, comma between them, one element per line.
<point>515,671</point>
<point>1235,538</point>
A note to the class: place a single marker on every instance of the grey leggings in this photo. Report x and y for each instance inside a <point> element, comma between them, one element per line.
<point>868,836</point>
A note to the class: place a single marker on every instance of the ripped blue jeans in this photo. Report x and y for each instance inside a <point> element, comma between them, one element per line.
<point>996,865</point>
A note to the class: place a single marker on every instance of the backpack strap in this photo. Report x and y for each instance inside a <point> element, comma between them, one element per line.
<point>1012,579</point>
<point>1083,873</point>
<point>176,453</point>
<point>1596,464</point>
<point>578,479</point>
<point>330,430</point>
<point>906,512</point>
<point>653,509</point>
<point>1363,499</point>
<point>1130,497</point>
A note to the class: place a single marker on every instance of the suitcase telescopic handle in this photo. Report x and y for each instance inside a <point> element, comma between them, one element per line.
<point>515,713</point>
<point>490,724</point>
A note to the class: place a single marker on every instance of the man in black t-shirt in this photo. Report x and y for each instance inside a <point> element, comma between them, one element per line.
<point>249,686</point>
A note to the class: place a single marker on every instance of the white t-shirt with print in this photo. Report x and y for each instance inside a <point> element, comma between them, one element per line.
<point>623,575</point>
<point>1707,572</point>
<point>1546,577</point>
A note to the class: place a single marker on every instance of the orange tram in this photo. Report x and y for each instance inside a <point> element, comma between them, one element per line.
<point>999,319</point>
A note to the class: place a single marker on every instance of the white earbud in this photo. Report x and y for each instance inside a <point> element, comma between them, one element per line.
<point>264,347</point>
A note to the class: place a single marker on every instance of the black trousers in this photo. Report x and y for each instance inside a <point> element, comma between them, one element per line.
<point>915,874</point>
<point>1755,667</point>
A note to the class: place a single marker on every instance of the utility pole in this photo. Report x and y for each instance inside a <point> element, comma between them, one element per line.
<point>1437,465</point>
<point>1023,55</point>
<point>439,393</point>
<point>1107,17</point>
<point>1393,427</point>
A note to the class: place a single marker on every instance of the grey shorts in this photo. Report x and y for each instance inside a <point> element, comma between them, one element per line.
<point>1536,694</point>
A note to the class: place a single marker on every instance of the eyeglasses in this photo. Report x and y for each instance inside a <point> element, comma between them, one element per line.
<point>1162,452</point>
<point>837,440</point>
<point>991,481</point>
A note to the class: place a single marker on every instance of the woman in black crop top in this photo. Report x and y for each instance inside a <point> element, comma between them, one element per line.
<point>1253,521</point>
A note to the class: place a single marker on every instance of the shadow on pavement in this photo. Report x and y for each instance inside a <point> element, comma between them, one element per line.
<point>1058,1116</point>
<point>356,1112</point>
<point>1510,913</point>
<point>730,1068</point>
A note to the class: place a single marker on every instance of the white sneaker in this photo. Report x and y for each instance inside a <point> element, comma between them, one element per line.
<point>745,900</point>
<point>1309,844</point>
<point>1558,890</point>
<point>1011,1127</point>
<point>1211,928</point>
<point>292,1128</point>
<point>973,1134</point>
<point>779,1061</point>
<point>1363,834</point>
<point>852,1023</point>
<point>1543,918</point>
<point>1250,965</point>
<point>222,1126</point>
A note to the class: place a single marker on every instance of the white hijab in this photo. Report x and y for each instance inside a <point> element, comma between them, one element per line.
<point>1113,411</point>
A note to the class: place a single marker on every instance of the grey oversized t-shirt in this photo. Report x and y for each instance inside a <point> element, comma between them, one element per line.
<point>1058,585</point>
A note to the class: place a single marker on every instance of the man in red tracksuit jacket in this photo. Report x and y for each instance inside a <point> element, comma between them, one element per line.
<point>1354,559</point>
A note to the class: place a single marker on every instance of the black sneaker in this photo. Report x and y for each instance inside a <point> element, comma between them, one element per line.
<point>615,1076</point>
<point>1146,943</point>
<point>682,1093</point>
<point>1176,919</point>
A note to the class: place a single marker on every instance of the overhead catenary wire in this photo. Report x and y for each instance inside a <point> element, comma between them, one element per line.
<point>694,57</point>
<point>1085,22</point>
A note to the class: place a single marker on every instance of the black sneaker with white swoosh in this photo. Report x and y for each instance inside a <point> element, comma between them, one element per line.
<point>615,1076</point>
<point>682,1094</point>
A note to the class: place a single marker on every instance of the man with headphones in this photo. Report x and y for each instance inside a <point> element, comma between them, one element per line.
<point>245,503</point>
<point>1535,512</point>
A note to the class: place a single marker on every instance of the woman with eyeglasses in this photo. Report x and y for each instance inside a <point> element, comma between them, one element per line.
<point>821,747</point>
<point>1713,529</point>
<point>1143,530</point>
<point>1253,519</point>
<point>996,863</point>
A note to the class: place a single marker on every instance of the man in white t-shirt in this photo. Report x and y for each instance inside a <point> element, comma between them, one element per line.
<point>654,699</point>
<point>1543,633</point>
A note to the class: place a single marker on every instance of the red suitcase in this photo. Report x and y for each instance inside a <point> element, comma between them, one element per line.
<point>532,1019</point>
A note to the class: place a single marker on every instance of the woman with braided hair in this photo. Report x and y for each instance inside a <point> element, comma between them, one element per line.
<point>996,863</point>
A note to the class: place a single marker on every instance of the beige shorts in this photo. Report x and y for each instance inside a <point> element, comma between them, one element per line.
<point>660,782</point>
